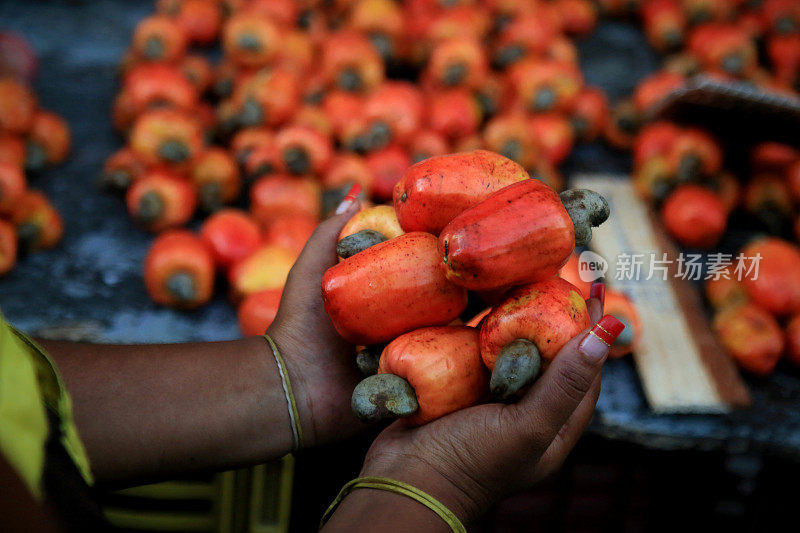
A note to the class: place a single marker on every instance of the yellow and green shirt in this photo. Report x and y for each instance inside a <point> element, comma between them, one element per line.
<point>36,419</point>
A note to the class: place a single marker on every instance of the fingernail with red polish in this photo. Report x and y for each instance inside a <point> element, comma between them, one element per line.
<point>596,344</point>
<point>598,290</point>
<point>348,200</point>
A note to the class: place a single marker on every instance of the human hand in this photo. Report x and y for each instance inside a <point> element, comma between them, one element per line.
<point>473,457</point>
<point>320,363</point>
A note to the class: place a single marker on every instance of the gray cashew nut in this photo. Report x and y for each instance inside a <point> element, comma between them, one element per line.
<point>586,209</point>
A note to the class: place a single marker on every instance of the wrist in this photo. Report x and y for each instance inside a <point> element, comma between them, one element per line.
<point>463,501</point>
<point>296,373</point>
<point>371,509</point>
<point>322,393</point>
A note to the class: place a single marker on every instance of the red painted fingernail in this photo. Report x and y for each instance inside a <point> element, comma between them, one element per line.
<point>597,343</point>
<point>598,290</point>
<point>348,200</point>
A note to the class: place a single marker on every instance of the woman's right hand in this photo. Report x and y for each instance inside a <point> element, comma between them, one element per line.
<point>471,458</point>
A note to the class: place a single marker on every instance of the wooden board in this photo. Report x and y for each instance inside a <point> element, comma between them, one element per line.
<point>682,367</point>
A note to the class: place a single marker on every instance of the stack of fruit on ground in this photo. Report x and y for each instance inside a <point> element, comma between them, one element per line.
<point>464,226</point>
<point>309,98</point>
<point>757,312</point>
<point>729,40</point>
<point>31,139</point>
<point>682,170</point>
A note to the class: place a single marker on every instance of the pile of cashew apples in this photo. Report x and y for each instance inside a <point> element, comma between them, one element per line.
<point>464,225</point>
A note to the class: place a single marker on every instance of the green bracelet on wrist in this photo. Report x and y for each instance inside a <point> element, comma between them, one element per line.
<point>398,487</point>
<point>294,415</point>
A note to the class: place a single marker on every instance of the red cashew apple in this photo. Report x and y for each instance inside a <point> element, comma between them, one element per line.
<point>258,310</point>
<point>533,323</point>
<point>231,235</point>
<point>776,288</point>
<point>694,216</point>
<point>389,289</point>
<point>725,290</point>
<point>39,225</point>
<point>8,246</point>
<point>751,336</point>
<point>179,270</point>
<point>520,234</point>
<point>423,375</point>
<point>434,191</point>
<point>265,268</point>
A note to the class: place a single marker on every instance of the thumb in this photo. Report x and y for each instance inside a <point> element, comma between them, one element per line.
<point>568,379</point>
<point>319,253</point>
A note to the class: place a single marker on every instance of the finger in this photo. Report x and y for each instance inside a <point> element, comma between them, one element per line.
<point>595,308</point>
<point>570,432</point>
<point>302,293</point>
<point>319,253</point>
<point>567,381</point>
<point>596,301</point>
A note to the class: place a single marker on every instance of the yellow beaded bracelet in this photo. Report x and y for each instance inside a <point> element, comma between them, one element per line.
<point>294,416</point>
<point>398,487</point>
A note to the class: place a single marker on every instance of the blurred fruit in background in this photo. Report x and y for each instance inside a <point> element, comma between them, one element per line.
<point>179,270</point>
<point>12,187</point>
<point>17,106</point>
<point>17,58</point>
<point>159,38</point>
<point>776,287</point>
<point>624,122</point>
<point>694,216</point>
<point>215,175</point>
<point>161,199</point>
<point>266,268</point>
<point>304,101</point>
<point>793,339</point>
<point>588,114</point>
<point>571,272</point>
<point>8,246</point>
<point>48,141</point>
<point>618,305</point>
<point>120,170</point>
<point>290,232</point>
<point>38,223</point>
<point>258,310</point>
<point>751,336</point>
<point>32,139</point>
<point>725,290</point>
<point>231,235</point>
<point>167,137</point>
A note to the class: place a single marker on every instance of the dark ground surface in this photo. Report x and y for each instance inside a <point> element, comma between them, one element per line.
<point>93,278</point>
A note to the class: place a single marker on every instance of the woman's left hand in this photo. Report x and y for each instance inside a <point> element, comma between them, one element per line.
<point>321,364</point>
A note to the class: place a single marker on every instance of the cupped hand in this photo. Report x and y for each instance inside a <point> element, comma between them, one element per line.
<point>471,458</point>
<point>320,363</point>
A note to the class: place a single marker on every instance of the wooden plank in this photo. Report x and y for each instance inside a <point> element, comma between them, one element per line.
<point>682,366</point>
